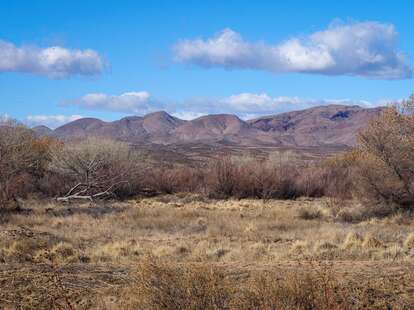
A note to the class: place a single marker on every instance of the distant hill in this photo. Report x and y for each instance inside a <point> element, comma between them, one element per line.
<point>42,130</point>
<point>331,125</point>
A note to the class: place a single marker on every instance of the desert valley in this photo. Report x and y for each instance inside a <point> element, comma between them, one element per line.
<point>104,221</point>
<point>212,155</point>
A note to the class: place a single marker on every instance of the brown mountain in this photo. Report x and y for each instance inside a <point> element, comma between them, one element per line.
<point>225,128</point>
<point>42,130</point>
<point>324,125</point>
<point>154,127</point>
<point>332,125</point>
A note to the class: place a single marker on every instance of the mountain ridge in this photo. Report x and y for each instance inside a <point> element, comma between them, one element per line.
<point>316,126</point>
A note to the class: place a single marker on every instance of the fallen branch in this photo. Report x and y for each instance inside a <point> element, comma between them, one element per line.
<point>81,194</point>
<point>68,198</point>
<point>74,188</point>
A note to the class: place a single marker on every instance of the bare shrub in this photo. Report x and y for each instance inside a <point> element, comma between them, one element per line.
<point>93,168</point>
<point>251,179</point>
<point>227,177</point>
<point>351,215</point>
<point>338,181</point>
<point>23,158</point>
<point>174,180</point>
<point>222,177</point>
<point>329,177</point>
<point>306,213</point>
<point>312,180</point>
<point>161,180</point>
<point>277,181</point>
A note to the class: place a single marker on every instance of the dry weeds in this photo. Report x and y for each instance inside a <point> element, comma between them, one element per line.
<point>181,230</point>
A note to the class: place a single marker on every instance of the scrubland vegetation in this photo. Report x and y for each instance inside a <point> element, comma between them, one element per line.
<point>93,224</point>
<point>378,172</point>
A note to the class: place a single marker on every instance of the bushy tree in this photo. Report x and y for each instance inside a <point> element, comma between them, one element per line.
<point>23,159</point>
<point>96,168</point>
<point>384,158</point>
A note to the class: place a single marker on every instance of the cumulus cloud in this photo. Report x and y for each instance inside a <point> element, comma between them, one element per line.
<point>53,62</point>
<point>261,103</point>
<point>188,115</point>
<point>366,49</point>
<point>245,105</point>
<point>250,105</point>
<point>51,121</point>
<point>129,102</point>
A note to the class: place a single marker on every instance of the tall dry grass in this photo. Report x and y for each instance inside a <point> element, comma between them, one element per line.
<point>165,286</point>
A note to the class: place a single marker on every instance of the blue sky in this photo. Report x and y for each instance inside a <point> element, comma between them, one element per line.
<point>60,60</point>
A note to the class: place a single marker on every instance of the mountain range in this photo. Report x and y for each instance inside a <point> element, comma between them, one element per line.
<point>330,125</point>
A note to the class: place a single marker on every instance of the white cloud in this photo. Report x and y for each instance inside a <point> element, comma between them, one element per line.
<point>129,102</point>
<point>245,105</point>
<point>367,49</point>
<point>248,102</point>
<point>51,121</point>
<point>54,62</point>
<point>250,105</point>
<point>188,115</point>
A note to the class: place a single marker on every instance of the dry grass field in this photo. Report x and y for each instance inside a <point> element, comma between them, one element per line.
<point>98,224</point>
<point>84,255</point>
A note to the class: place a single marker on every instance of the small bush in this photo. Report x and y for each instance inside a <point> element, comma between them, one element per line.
<point>349,215</point>
<point>309,213</point>
<point>370,242</point>
<point>353,240</point>
<point>161,286</point>
<point>409,241</point>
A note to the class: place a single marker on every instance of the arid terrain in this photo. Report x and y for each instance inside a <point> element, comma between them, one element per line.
<point>85,254</point>
<point>98,223</point>
<point>206,155</point>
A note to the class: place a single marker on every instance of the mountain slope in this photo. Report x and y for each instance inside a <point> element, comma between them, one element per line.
<point>324,125</point>
<point>335,125</point>
<point>42,130</point>
<point>80,128</point>
<point>216,128</point>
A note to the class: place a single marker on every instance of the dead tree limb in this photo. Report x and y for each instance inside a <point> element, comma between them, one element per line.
<point>80,195</point>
